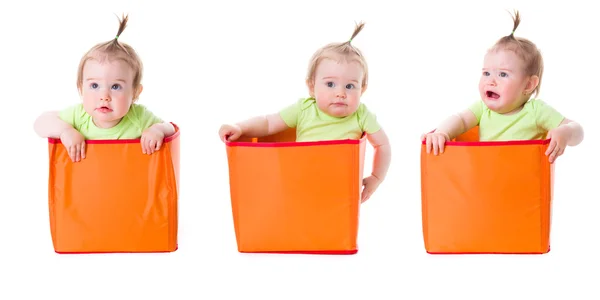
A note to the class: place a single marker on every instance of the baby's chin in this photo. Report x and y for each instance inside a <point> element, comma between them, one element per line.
<point>339,113</point>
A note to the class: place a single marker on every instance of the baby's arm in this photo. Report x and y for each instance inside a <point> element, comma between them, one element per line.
<point>574,132</point>
<point>253,127</point>
<point>381,163</point>
<point>166,128</point>
<point>449,129</point>
<point>568,133</point>
<point>49,125</point>
<point>153,137</point>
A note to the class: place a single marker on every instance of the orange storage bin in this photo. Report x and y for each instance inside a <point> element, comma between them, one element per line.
<point>487,197</point>
<point>117,199</point>
<point>295,197</point>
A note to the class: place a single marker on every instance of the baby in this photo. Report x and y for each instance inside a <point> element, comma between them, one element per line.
<point>109,82</point>
<point>512,72</point>
<point>336,79</point>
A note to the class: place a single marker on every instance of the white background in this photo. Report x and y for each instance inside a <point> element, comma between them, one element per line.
<point>207,63</point>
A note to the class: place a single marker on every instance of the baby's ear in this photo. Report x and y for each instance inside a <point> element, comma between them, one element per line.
<point>532,84</point>
<point>137,92</point>
<point>310,84</point>
<point>364,88</point>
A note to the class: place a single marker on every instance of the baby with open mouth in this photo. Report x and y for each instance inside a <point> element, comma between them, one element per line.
<point>512,73</point>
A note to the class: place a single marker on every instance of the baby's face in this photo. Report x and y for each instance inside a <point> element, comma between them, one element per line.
<point>107,91</point>
<point>503,81</point>
<point>337,87</point>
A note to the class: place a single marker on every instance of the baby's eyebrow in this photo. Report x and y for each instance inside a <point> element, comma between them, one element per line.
<point>501,69</point>
<point>333,77</point>
<point>118,79</point>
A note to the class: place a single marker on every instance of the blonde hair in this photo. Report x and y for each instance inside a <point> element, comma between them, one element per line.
<point>114,49</point>
<point>524,49</point>
<point>346,52</point>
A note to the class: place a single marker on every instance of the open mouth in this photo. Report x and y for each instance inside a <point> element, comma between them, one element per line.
<point>491,95</point>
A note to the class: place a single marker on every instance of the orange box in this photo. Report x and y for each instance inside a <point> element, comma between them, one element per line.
<point>295,197</point>
<point>487,197</point>
<point>117,199</point>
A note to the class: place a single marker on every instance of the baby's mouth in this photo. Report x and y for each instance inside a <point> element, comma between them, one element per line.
<point>104,109</point>
<point>491,95</point>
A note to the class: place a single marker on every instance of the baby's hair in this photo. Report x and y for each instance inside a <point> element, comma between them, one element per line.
<point>342,51</point>
<point>114,49</point>
<point>525,49</point>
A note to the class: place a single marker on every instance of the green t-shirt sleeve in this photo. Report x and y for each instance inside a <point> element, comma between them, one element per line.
<point>74,115</point>
<point>477,109</point>
<point>367,120</point>
<point>143,117</point>
<point>546,116</point>
<point>290,113</point>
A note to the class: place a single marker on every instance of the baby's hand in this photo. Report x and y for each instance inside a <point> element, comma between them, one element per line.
<point>370,184</point>
<point>230,132</point>
<point>558,142</point>
<point>74,142</point>
<point>435,141</point>
<point>151,140</point>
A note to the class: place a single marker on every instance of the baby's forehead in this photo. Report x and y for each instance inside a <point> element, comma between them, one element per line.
<point>503,57</point>
<point>340,57</point>
<point>103,57</point>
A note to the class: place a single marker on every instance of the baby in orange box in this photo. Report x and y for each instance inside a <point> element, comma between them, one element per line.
<point>336,80</point>
<point>512,73</point>
<point>109,83</point>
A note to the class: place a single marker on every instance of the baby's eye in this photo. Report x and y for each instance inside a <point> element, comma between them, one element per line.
<point>349,86</point>
<point>503,74</point>
<point>116,87</point>
<point>486,73</point>
<point>330,84</point>
<point>93,85</point>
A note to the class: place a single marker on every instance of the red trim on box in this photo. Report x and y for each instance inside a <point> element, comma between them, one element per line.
<point>296,144</point>
<point>118,252</point>
<point>497,143</point>
<point>331,252</point>
<point>291,144</point>
<point>491,253</point>
<point>122,141</point>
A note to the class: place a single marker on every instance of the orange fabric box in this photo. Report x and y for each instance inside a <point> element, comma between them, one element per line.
<point>117,199</point>
<point>487,197</point>
<point>295,197</point>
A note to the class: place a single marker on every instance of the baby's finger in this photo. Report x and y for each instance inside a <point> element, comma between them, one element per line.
<point>151,144</point>
<point>551,147</point>
<point>143,144</point>
<point>441,142</point>
<point>428,144</point>
<point>366,195</point>
<point>148,147</point>
<point>236,135</point>
<point>553,155</point>
<point>83,150</point>
<point>158,145</point>
<point>77,152</point>
<point>154,145</point>
<point>71,151</point>
<point>435,145</point>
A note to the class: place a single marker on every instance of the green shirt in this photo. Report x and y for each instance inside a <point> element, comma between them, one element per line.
<point>530,123</point>
<point>137,119</point>
<point>312,124</point>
